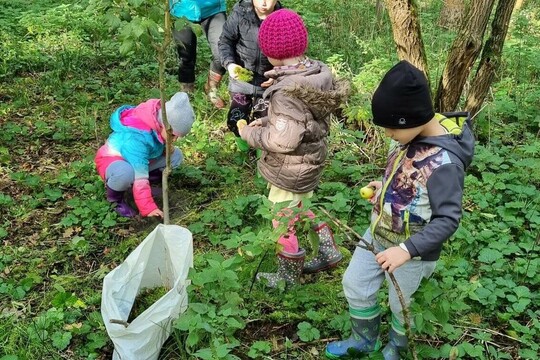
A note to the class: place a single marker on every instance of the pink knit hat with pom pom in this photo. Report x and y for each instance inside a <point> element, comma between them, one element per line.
<point>283,35</point>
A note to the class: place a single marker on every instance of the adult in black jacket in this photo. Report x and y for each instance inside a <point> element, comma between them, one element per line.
<point>239,48</point>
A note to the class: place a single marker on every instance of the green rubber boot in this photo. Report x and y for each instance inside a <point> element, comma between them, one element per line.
<point>397,343</point>
<point>364,340</point>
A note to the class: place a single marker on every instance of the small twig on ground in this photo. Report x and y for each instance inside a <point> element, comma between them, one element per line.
<point>489,331</point>
<point>368,246</point>
<point>121,322</point>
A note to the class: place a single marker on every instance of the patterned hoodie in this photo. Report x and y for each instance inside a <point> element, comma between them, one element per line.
<point>420,201</point>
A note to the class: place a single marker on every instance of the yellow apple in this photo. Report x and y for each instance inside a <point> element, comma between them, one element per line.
<point>240,124</point>
<point>367,192</point>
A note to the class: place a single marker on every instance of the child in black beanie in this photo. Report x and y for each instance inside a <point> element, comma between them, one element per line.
<point>417,206</point>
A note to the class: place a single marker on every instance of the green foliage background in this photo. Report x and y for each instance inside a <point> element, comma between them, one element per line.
<point>65,66</point>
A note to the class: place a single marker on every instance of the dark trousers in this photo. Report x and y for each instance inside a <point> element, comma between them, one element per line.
<point>186,46</point>
<point>245,107</point>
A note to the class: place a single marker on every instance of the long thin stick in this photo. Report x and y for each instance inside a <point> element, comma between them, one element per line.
<point>368,246</point>
<point>161,52</point>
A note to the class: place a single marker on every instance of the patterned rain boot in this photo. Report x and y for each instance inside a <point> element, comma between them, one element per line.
<point>289,269</point>
<point>211,89</point>
<point>396,343</point>
<point>122,207</point>
<point>328,255</point>
<point>364,339</point>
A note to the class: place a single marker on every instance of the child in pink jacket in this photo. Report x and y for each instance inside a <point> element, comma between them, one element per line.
<point>134,156</point>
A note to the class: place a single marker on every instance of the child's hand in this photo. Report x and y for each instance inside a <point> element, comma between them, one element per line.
<point>231,68</point>
<point>377,185</point>
<point>392,258</point>
<point>256,123</point>
<point>156,213</point>
<point>267,83</point>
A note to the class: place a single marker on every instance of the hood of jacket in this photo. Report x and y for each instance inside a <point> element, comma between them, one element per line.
<point>312,86</point>
<point>460,141</point>
<point>144,113</point>
<point>294,141</point>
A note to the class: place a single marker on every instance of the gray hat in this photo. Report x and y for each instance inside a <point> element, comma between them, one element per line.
<point>180,114</point>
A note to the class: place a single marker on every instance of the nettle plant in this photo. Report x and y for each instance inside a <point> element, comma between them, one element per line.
<point>139,23</point>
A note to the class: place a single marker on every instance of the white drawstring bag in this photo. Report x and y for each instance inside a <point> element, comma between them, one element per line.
<point>163,259</point>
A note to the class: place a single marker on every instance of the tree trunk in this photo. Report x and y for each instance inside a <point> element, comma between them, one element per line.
<point>407,34</point>
<point>451,13</point>
<point>463,53</point>
<point>161,51</point>
<point>491,56</point>
<point>519,4</point>
<point>379,10</point>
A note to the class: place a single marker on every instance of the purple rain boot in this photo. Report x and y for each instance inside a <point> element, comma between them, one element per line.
<point>122,207</point>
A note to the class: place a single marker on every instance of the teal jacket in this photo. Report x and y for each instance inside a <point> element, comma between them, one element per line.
<point>196,10</point>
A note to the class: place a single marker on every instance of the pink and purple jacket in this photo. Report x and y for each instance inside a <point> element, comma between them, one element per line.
<point>136,138</point>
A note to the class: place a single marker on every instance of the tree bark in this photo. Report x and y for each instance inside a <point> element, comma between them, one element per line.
<point>379,10</point>
<point>451,13</point>
<point>491,56</point>
<point>407,34</point>
<point>463,53</point>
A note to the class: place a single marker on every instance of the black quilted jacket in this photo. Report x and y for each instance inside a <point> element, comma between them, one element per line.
<point>239,41</point>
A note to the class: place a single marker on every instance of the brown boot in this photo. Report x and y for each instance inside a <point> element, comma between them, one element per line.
<point>211,89</point>
<point>187,87</point>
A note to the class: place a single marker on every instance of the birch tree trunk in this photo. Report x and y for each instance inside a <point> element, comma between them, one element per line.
<point>451,13</point>
<point>464,51</point>
<point>491,56</point>
<point>407,34</point>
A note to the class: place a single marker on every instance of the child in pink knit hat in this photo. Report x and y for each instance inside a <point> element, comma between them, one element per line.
<point>293,137</point>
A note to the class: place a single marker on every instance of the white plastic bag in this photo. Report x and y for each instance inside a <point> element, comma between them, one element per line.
<point>162,259</point>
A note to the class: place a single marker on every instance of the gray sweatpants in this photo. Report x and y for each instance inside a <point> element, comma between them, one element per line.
<point>364,277</point>
<point>120,175</point>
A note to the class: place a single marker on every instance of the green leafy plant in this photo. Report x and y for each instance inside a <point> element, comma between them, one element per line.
<point>243,74</point>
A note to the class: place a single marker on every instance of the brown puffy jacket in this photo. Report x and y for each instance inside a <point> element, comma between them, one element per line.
<point>294,135</point>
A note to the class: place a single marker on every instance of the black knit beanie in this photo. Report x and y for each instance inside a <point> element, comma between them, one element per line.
<point>403,99</point>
